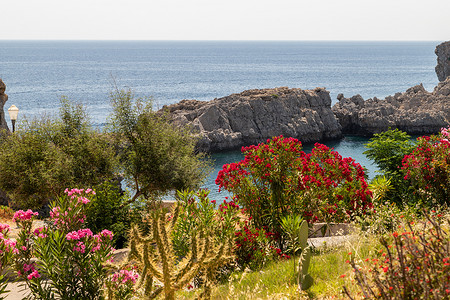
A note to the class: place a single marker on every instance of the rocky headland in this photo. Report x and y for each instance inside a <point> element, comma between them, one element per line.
<point>415,111</point>
<point>3,99</point>
<point>443,60</point>
<point>253,116</point>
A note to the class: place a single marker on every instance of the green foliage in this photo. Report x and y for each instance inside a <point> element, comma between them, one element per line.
<point>47,154</point>
<point>156,156</point>
<point>296,230</point>
<point>387,150</point>
<point>107,211</point>
<point>380,187</point>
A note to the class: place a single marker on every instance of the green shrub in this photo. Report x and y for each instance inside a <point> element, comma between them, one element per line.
<point>47,154</point>
<point>157,157</point>
<point>387,150</point>
<point>107,211</point>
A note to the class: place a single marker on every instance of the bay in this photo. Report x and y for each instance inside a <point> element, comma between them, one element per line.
<point>38,73</point>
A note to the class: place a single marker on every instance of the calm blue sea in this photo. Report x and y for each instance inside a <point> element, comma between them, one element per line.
<point>38,73</point>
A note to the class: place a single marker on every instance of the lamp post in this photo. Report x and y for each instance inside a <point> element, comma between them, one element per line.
<point>13,112</point>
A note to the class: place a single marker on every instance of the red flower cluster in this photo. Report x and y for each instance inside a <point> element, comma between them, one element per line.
<point>427,168</point>
<point>253,247</point>
<point>278,178</point>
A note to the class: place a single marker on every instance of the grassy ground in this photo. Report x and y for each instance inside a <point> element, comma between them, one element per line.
<point>277,279</point>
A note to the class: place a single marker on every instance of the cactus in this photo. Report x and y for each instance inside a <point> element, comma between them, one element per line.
<point>156,256</point>
<point>296,230</point>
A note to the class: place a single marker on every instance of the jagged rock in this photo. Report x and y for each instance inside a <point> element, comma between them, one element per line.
<point>415,111</point>
<point>3,99</point>
<point>443,60</point>
<point>255,115</point>
<point>3,126</point>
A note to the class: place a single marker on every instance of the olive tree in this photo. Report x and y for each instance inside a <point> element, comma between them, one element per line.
<point>156,156</point>
<point>47,155</point>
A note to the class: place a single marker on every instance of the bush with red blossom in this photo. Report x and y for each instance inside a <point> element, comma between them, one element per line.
<point>254,247</point>
<point>278,178</point>
<point>427,169</point>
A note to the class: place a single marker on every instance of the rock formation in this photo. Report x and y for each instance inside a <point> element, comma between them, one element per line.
<point>255,115</point>
<point>3,126</point>
<point>3,99</point>
<point>443,60</point>
<point>415,111</point>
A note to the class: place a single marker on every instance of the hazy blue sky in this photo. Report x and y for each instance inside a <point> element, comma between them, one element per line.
<point>226,19</point>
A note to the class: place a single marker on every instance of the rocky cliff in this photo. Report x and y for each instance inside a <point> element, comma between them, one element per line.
<point>415,111</point>
<point>3,99</point>
<point>255,115</point>
<point>443,60</point>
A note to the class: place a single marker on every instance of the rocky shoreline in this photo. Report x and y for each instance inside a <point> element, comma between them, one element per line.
<point>253,116</point>
<point>415,111</point>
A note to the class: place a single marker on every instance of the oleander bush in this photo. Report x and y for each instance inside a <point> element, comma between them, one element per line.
<point>7,251</point>
<point>254,247</point>
<point>277,178</point>
<point>63,260</point>
<point>427,169</point>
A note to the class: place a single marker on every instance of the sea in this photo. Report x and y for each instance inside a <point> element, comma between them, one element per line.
<point>39,73</point>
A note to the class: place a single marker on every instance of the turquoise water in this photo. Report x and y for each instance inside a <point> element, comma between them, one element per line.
<point>38,73</point>
<point>350,146</point>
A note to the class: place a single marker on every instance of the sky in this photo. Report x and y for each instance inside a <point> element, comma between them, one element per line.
<point>225,20</point>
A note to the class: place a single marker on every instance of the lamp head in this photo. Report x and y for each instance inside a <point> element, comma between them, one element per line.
<point>13,112</point>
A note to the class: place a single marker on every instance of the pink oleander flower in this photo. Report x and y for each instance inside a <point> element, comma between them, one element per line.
<point>83,200</point>
<point>125,276</point>
<point>445,132</point>
<point>4,228</point>
<point>29,267</point>
<point>80,247</point>
<point>107,233</point>
<point>39,232</point>
<point>33,274</point>
<point>76,235</point>
<point>24,215</point>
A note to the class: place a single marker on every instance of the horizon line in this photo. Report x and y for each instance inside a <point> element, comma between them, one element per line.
<point>200,40</point>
